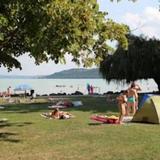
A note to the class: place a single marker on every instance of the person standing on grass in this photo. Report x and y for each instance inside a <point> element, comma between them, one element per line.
<point>91,89</point>
<point>137,88</point>
<point>122,103</point>
<point>132,99</point>
<point>9,91</point>
<point>88,88</point>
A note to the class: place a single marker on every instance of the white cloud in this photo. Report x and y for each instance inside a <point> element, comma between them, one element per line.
<point>147,23</point>
<point>152,14</point>
<point>150,31</point>
<point>133,20</point>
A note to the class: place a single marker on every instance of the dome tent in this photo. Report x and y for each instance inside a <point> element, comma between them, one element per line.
<point>149,111</point>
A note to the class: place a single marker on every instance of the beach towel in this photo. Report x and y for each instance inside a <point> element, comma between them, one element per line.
<point>61,104</point>
<point>65,103</point>
<point>105,119</point>
<point>77,103</point>
<point>127,119</point>
<point>57,106</point>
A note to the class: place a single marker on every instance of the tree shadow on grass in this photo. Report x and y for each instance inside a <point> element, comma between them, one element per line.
<point>96,105</point>
<point>18,124</point>
<point>90,103</point>
<point>95,124</point>
<point>7,136</point>
<point>25,108</point>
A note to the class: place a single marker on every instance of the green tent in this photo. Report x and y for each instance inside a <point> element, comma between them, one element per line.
<point>149,111</point>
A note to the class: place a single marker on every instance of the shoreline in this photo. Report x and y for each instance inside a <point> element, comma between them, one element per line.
<point>50,99</point>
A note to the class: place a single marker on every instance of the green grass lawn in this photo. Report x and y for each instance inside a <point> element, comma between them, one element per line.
<point>28,136</point>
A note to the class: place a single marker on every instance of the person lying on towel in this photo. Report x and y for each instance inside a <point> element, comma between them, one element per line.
<point>57,114</point>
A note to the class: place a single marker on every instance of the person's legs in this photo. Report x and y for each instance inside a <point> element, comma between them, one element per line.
<point>122,109</point>
<point>136,105</point>
<point>131,103</point>
<point>133,107</point>
<point>128,108</point>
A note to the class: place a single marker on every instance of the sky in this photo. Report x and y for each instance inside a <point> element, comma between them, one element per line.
<point>142,16</point>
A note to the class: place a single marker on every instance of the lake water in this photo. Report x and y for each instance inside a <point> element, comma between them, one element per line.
<point>47,86</point>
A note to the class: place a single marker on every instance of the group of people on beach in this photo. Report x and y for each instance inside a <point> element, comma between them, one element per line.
<point>128,101</point>
<point>90,89</point>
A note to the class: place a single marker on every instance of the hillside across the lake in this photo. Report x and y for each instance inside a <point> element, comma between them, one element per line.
<point>76,74</point>
<point>66,74</point>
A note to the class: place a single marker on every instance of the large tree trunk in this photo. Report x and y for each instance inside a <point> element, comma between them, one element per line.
<point>157,80</point>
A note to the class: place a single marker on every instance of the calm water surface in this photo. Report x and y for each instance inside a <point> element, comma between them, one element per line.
<point>47,86</point>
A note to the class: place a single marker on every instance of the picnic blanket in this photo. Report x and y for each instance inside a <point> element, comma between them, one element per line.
<point>57,106</point>
<point>105,119</point>
<point>61,104</point>
<point>77,103</point>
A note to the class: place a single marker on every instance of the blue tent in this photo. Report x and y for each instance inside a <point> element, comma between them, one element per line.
<point>144,98</point>
<point>149,109</point>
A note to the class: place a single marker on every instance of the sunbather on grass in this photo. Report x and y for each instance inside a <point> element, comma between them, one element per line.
<point>57,114</point>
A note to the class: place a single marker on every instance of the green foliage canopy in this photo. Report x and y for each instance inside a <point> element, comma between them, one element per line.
<point>49,29</point>
<point>140,61</point>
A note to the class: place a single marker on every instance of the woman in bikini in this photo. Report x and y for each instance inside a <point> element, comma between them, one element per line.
<point>137,88</point>
<point>57,114</point>
<point>132,99</point>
